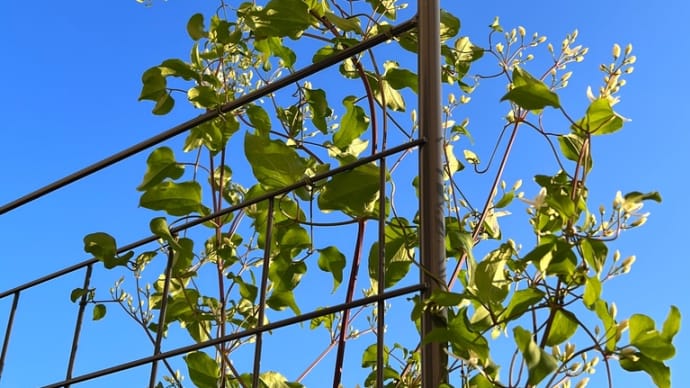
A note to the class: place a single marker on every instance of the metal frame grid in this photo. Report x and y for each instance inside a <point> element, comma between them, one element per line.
<point>431,220</point>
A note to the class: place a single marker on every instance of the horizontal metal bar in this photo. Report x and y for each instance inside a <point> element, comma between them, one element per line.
<point>187,125</point>
<point>201,220</point>
<point>270,326</point>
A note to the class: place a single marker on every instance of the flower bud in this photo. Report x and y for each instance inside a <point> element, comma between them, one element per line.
<point>582,383</point>
<point>616,51</point>
<point>521,31</point>
<point>499,48</point>
<point>569,350</point>
<point>613,310</point>
<point>628,49</point>
<point>618,201</point>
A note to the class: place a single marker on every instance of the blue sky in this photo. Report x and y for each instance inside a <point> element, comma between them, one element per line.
<point>72,76</point>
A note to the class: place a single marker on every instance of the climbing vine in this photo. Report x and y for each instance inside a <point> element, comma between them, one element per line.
<point>273,217</point>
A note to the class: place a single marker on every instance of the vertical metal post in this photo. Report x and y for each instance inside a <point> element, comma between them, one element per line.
<point>256,370</point>
<point>77,326</point>
<point>432,229</point>
<point>160,331</point>
<point>8,332</point>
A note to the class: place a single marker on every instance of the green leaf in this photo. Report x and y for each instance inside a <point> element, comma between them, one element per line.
<point>401,78</point>
<point>354,192</point>
<point>345,24</point>
<point>648,340</point>
<point>281,18</point>
<point>600,119</point>
<point>159,227</point>
<point>178,68</point>
<point>204,97</point>
<point>274,164</point>
<point>571,147</point>
<point>154,85</point>
<point>163,105</point>
<point>318,106</point>
<point>450,25</point>
<point>636,197</point>
<point>384,7</point>
<point>461,337</point>
<point>563,326</point>
<point>539,363</point>
<point>333,261</point>
<point>671,324</point>
<point>195,27</point>
<point>660,373</point>
<point>99,311</point>
<point>520,303</point>
<point>369,359</point>
<point>184,256</point>
<point>176,199</point>
<point>608,323</point>
<point>203,370</point>
<point>488,280</point>
<point>160,164</point>
<point>592,292</point>
<point>279,300</point>
<point>399,252</point>
<point>103,247</point>
<point>77,293</point>
<point>212,134</point>
<point>530,93</point>
<point>353,124</point>
<point>446,298</point>
<point>259,119</point>
<point>594,252</point>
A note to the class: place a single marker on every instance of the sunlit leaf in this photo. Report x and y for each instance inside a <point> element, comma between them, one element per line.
<point>318,105</point>
<point>671,324</point>
<point>333,261</point>
<point>648,340</point>
<point>530,93</point>
<point>660,373</point>
<point>176,199</point>
<point>600,119</point>
<point>161,164</point>
<point>203,370</point>
<point>274,164</point>
<point>281,18</point>
<point>399,252</point>
<point>195,27</point>
<point>521,302</point>
<point>539,363</point>
<point>563,326</point>
<point>353,124</point>
<point>353,192</point>
<point>592,292</point>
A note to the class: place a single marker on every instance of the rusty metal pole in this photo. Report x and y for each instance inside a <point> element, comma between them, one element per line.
<point>432,228</point>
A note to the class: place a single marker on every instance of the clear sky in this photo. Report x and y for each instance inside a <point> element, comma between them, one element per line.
<point>69,98</point>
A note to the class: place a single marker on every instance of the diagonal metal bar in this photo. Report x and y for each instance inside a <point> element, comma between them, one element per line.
<point>247,333</point>
<point>262,297</point>
<point>8,332</point>
<point>162,316</point>
<point>229,107</point>
<point>77,326</point>
<point>201,220</point>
